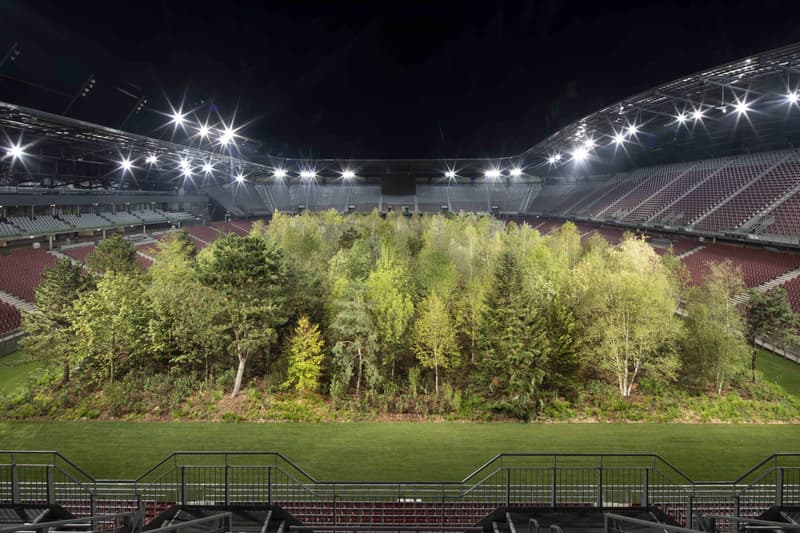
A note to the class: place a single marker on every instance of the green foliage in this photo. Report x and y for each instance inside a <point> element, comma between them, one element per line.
<point>769,316</point>
<point>449,316</point>
<point>305,357</point>
<point>113,255</point>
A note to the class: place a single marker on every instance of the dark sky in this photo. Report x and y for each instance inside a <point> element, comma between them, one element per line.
<point>373,79</point>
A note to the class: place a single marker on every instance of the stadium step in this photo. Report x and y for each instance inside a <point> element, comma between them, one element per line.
<point>687,253</point>
<point>16,302</point>
<point>59,255</point>
<point>771,284</point>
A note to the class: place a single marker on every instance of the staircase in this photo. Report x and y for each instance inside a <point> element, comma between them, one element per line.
<point>687,253</point>
<point>22,305</point>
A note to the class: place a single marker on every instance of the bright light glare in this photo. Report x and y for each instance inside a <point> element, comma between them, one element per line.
<point>152,159</point>
<point>558,157</point>
<point>187,172</point>
<point>516,172</point>
<point>15,151</point>
<point>551,160</point>
<point>308,174</point>
<point>450,174</point>
<point>178,118</point>
<point>742,107</point>
<point>185,165</point>
<point>239,177</point>
<point>492,174</point>
<point>279,173</point>
<point>348,174</point>
<point>126,164</point>
<point>588,144</point>
<point>226,137</point>
<point>697,114</point>
<point>792,97</point>
<point>203,131</point>
<point>619,138</point>
<point>580,154</point>
<point>633,129</point>
<point>208,168</point>
<point>681,118</point>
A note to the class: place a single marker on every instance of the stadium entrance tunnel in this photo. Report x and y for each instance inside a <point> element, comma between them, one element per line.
<point>263,492</point>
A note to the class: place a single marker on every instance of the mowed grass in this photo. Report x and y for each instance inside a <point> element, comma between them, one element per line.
<point>15,371</point>
<point>780,371</point>
<point>400,450</point>
<point>396,451</point>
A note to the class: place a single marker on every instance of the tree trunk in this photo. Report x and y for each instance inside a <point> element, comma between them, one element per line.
<point>239,375</point>
<point>753,361</point>
<point>358,377</point>
<point>65,379</point>
<point>436,372</point>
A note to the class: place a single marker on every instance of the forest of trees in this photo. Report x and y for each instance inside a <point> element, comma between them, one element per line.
<point>456,309</point>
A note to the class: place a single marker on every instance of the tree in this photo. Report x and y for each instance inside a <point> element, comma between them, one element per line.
<point>49,335</point>
<point>768,314</point>
<point>249,272</point>
<point>630,305</point>
<point>512,345</point>
<point>188,325</point>
<point>110,325</point>
<point>715,348</point>
<point>305,357</point>
<point>356,345</point>
<point>390,303</point>
<point>114,254</point>
<point>435,337</point>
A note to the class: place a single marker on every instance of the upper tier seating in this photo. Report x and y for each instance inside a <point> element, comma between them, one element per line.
<point>784,219</point>
<point>754,198</point>
<point>7,230</point>
<point>9,318</point>
<point>85,221</point>
<point>122,218</point>
<point>39,225</point>
<point>21,271</point>
<point>150,216</point>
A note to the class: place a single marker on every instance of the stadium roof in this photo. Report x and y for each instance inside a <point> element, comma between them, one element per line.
<point>751,104</point>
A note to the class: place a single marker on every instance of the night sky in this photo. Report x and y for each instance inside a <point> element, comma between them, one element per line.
<point>371,79</point>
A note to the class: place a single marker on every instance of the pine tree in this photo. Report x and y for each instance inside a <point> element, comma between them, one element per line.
<point>305,357</point>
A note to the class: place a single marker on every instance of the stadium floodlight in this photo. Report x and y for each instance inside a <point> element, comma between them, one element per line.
<point>178,117</point>
<point>152,159</point>
<point>515,172</point>
<point>741,107</point>
<point>239,177</point>
<point>126,164</point>
<point>551,159</point>
<point>226,137</point>
<point>203,131</point>
<point>492,174</point>
<point>308,174</point>
<point>558,156</point>
<point>680,118</point>
<point>348,174</point>
<point>633,129</point>
<point>619,139</point>
<point>450,174</point>
<point>792,97</point>
<point>697,114</point>
<point>279,173</point>
<point>580,154</point>
<point>208,168</point>
<point>187,172</point>
<point>15,151</point>
<point>588,144</point>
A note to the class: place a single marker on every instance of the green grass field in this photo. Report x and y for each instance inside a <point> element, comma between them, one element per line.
<point>400,450</point>
<point>15,370</point>
<point>394,451</point>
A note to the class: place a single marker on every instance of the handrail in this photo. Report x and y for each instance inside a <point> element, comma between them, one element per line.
<point>772,458</point>
<point>56,523</point>
<point>646,523</point>
<point>197,521</point>
<point>54,453</point>
<point>754,521</point>
<point>176,454</point>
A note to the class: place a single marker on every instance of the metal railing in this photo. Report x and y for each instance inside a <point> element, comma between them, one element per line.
<point>126,522</point>
<point>603,481</point>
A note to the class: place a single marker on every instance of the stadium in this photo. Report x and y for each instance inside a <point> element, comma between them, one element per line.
<point>200,335</point>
